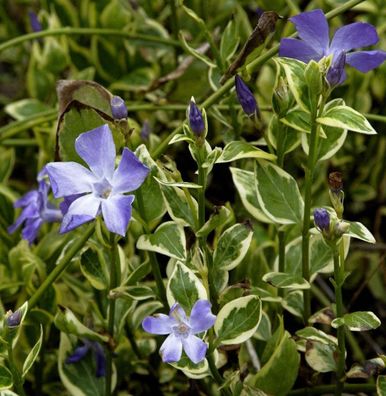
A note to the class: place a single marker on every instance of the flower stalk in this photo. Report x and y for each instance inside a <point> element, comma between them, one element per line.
<point>17,378</point>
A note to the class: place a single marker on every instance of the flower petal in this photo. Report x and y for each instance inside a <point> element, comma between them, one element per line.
<point>195,348</point>
<point>130,173</point>
<point>78,354</point>
<point>365,61</point>
<point>28,212</point>
<point>31,229</point>
<point>354,35</point>
<point>116,212</point>
<point>177,313</point>
<point>297,49</point>
<point>68,178</point>
<point>97,149</point>
<point>158,324</point>
<point>171,349</point>
<point>312,27</point>
<point>201,317</point>
<point>100,359</point>
<point>27,199</point>
<point>81,211</point>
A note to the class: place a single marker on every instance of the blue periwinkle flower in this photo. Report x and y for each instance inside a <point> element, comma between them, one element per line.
<point>336,74</point>
<point>118,108</point>
<point>101,188</point>
<point>182,330</point>
<point>98,352</point>
<point>13,319</point>
<point>196,120</point>
<point>322,219</point>
<point>245,96</point>
<point>314,42</point>
<point>36,210</point>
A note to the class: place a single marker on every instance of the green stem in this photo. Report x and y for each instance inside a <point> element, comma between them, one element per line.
<point>68,31</point>
<point>114,280</point>
<point>375,117</point>
<point>322,389</point>
<point>215,373</point>
<point>152,257</point>
<point>62,265</point>
<point>17,378</point>
<point>281,237</point>
<point>338,281</point>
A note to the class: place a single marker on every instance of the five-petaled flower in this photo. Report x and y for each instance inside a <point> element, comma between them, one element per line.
<point>182,330</point>
<point>100,189</point>
<point>314,43</point>
<point>99,354</point>
<point>36,210</point>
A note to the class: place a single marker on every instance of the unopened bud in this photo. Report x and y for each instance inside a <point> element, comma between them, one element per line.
<point>245,96</point>
<point>282,98</point>
<point>118,108</point>
<point>196,122</point>
<point>36,26</point>
<point>336,74</point>
<point>322,220</point>
<point>13,318</point>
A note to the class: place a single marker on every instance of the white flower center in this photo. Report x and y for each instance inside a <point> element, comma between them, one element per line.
<point>181,330</point>
<point>102,188</point>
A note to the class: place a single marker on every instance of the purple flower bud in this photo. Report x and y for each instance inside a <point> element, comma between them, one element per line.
<point>322,219</point>
<point>336,74</point>
<point>36,26</point>
<point>196,121</point>
<point>118,108</point>
<point>13,320</point>
<point>145,131</point>
<point>245,96</point>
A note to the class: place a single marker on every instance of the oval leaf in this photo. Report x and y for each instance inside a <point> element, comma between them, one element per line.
<point>6,380</point>
<point>34,353</point>
<point>358,321</point>
<point>237,150</point>
<point>286,281</point>
<point>238,320</point>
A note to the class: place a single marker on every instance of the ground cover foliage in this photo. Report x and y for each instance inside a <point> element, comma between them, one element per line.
<point>192,197</point>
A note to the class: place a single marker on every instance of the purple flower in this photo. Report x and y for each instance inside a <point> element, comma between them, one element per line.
<point>100,189</point>
<point>81,352</point>
<point>322,219</point>
<point>118,108</point>
<point>336,74</point>
<point>36,26</point>
<point>196,121</point>
<point>314,42</point>
<point>13,319</point>
<point>245,96</point>
<point>36,210</point>
<point>181,331</point>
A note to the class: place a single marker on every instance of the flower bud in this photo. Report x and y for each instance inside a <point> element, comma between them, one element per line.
<point>282,98</point>
<point>36,26</point>
<point>322,220</point>
<point>13,318</point>
<point>196,121</point>
<point>336,74</point>
<point>118,108</point>
<point>245,96</point>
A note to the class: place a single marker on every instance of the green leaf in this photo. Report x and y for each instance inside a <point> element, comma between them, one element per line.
<point>264,329</point>
<point>6,164</point>
<point>279,374</point>
<point>6,380</point>
<point>67,322</point>
<point>294,72</point>
<point>320,356</point>
<point>139,273</point>
<point>33,354</point>
<point>358,321</point>
<point>80,378</point>
<point>138,293</point>
<point>359,231</point>
<point>312,334</point>
<point>25,108</point>
<point>185,288</point>
<point>168,239</point>
<point>381,385</point>
<point>7,392</point>
<point>298,119</point>
<point>293,302</point>
<point>178,184</point>
<point>288,137</point>
<point>152,198</point>
<point>286,281</point>
<point>347,118</point>
<point>232,247</point>
<point>238,320</point>
<point>93,268</point>
<point>244,182</point>
<point>196,54</point>
<point>220,217</point>
<point>230,40</point>
<point>178,207</point>
<point>278,194</point>
<point>238,149</point>
<point>143,310</point>
<point>192,370</point>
